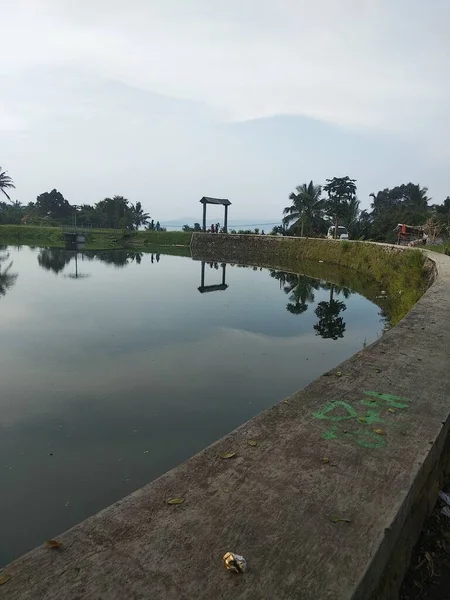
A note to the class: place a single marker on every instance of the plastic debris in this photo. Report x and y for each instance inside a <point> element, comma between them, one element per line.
<point>235,562</point>
<point>444,497</point>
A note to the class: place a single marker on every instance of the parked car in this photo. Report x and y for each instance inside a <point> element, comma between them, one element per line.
<point>342,233</point>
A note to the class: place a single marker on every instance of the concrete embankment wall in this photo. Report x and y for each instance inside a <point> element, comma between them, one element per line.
<point>399,273</point>
<point>327,505</point>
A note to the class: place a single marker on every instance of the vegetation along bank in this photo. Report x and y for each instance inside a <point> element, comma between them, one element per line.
<point>402,274</point>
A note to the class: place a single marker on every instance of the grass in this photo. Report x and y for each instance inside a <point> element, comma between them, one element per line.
<point>442,248</point>
<point>98,239</point>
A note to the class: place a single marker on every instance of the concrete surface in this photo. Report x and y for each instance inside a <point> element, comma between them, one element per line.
<point>318,460</point>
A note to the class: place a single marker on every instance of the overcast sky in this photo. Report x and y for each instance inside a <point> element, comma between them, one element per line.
<point>165,101</point>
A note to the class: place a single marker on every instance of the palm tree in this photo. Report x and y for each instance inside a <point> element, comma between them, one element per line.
<point>5,182</point>
<point>307,206</point>
<point>139,216</point>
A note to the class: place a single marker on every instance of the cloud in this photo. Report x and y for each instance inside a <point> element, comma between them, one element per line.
<point>166,101</point>
<point>358,63</point>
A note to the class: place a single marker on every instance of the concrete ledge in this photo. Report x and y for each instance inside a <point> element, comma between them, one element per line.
<point>382,428</point>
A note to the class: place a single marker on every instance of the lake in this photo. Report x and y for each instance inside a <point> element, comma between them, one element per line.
<point>116,366</point>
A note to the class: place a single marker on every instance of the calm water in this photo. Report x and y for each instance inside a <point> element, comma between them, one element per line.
<point>116,367</point>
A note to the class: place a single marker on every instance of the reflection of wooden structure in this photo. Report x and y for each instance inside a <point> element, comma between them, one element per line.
<point>226,203</point>
<point>410,234</point>
<point>212,288</point>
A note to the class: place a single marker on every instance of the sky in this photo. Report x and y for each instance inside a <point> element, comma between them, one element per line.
<point>166,101</point>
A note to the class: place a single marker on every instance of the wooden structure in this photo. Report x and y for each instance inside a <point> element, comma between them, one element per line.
<point>410,235</point>
<point>212,288</point>
<point>224,202</point>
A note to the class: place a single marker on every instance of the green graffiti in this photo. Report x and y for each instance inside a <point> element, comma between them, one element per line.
<point>333,405</point>
<point>395,401</point>
<point>363,436</point>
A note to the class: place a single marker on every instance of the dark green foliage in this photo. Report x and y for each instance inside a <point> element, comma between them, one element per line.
<point>407,203</point>
<point>342,205</point>
<point>305,213</point>
<point>5,183</point>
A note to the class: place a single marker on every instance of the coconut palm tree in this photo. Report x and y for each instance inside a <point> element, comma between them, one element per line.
<point>139,216</point>
<point>5,182</point>
<point>306,208</point>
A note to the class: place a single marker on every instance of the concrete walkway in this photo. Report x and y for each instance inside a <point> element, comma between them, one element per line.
<point>327,505</point>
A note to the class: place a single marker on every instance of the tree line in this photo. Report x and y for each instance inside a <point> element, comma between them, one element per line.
<point>312,213</point>
<point>312,210</point>
<point>52,209</point>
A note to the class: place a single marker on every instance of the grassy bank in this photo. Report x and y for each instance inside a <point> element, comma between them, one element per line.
<point>442,248</point>
<point>98,239</point>
<point>403,275</point>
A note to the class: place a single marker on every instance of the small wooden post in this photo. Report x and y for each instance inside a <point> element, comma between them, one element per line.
<point>204,216</point>
<point>202,283</point>
<point>225,226</point>
<point>224,268</point>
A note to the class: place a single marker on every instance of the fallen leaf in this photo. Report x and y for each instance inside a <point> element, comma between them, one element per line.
<point>361,419</point>
<point>325,460</point>
<point>4,578</point>
<point>379,431</point>
<point>175,501</point>
<point>391,410</point>
<point>377,370</point>
<point>336,519</point>
<point>53,544</point>
<point>228,454</point>
<point>286,401</point>
<point>338,373</point>
<point>252,443</point>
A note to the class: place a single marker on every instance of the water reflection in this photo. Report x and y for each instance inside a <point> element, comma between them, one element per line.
<point>300,289</point>
<point>7,279</point>
<point>212,288</point>
<point>57,259</point>
<point>330,324</point>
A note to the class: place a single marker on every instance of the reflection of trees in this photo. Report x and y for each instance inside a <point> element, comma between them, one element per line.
<point>300,289</point>
<point>118,258</point>
<point>330,324</point>
<point>56,259</point>
<point>7,279</point>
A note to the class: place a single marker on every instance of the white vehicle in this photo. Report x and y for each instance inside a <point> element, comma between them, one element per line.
<point>342,233</point>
